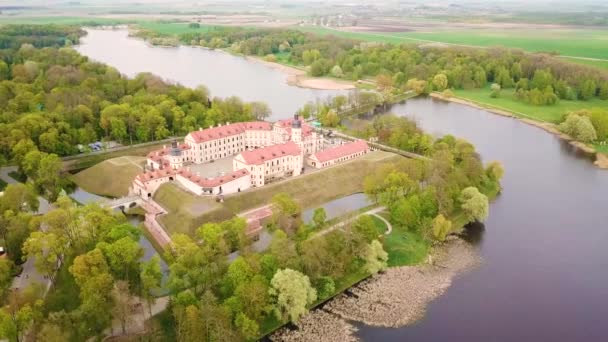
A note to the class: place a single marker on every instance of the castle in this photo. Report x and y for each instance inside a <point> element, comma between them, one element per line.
<point>264,152</point>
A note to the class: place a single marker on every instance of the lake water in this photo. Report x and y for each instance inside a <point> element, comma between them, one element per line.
<point>544,245</point>
<point>339,207</point>
<point>224,74</point>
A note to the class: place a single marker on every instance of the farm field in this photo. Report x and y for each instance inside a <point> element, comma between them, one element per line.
<point>173,28</point>
<point>61,20</point>
<point>541,113</point>
<point>567,42</point>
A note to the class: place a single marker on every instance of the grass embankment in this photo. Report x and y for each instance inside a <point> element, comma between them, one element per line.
<point>187,212</point>
<point>82,162</point>
<point>111,177</point>
<point>568,42</point>
<point>507,102</point>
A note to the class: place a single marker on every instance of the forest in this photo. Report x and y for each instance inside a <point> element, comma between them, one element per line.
<point>53,99</point>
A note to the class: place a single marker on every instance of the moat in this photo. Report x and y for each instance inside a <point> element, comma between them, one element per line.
<point>544,244</point>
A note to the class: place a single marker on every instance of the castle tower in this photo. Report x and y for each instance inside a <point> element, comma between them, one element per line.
<point>296,130</point>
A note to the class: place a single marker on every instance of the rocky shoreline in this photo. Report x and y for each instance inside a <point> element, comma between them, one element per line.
<point>395,298</point>
<point>601,160</point>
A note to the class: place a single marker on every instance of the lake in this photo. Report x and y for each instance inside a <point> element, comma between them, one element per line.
<point>544,244</point>
<point>224,74</point>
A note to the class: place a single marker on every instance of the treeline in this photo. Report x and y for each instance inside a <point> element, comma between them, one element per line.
<point>54,99</point>
<point>13,36</point>
<point>396,65</point>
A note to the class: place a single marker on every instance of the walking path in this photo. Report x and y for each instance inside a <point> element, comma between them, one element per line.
<point>341,224</point>
<point>389,226</point>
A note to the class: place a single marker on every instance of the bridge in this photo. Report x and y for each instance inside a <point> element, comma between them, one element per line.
<point>124,203</point>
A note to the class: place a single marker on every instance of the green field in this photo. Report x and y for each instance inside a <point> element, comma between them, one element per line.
<point>571,42</point>
<point>598,64</point>
<point>173,28</point>
<point>506,102</point>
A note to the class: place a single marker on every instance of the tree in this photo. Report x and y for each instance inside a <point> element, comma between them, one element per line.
<point>440,82</point>
<point>588,89</point>
<point>50,332</point>
<point>6,275</point>
<point>418,86</point>
<point>336,71</point>
<point>260,110</point>
<point>375,257</point>
<point>22,310</point>
<point>495,171</point>
<point>47,249</point>
<point>579,127</point>
<point>151,277</point>
<point>366,228</point>
<point>330,119</point>
<point>292,293</point>
<point>474,204</point>
<point>123,257</point>
<point>441,227</point>
<point>495,87</point>
<point>318,217</point>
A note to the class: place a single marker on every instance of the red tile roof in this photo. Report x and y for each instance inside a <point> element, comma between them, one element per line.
<point>152,175</point>
<point>228,130</point>
<point>286,125</point>
<point>341,151</point>
<point>264,154</point>
<point>212,182</point>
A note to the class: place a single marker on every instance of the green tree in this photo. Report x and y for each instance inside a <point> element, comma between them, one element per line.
<point>495,88</point>
<point>151,278</point>
<point>318,217</point>
<point>440,82</point>
<point>495,171</point>
<point>292,293</point>
<point>588,89</point>
<point>375,257</point>
<point>579,127</point>
<point>474,204</point>
<point>441,227</point>
<point>365,227</point>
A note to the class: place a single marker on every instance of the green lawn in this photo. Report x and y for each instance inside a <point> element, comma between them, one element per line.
<point>380,225</point>
<point>541,113</point>
<point>404,247</point>
<point>568,42</point>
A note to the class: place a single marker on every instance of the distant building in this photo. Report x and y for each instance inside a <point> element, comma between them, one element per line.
<point>338,154</point>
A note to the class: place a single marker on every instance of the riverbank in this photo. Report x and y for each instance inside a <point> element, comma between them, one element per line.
<point>395,298</point>
<point>601,159</point>
<point>298,77</point>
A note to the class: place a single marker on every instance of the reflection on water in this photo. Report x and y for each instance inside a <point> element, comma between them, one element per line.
<point>473,233</point>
